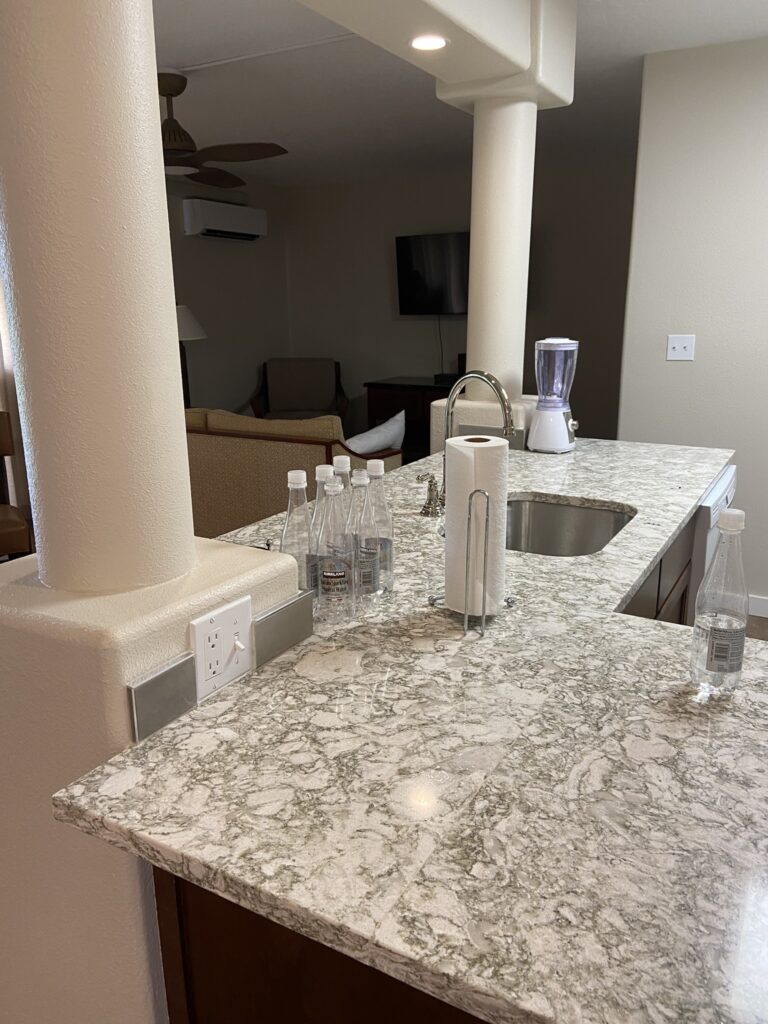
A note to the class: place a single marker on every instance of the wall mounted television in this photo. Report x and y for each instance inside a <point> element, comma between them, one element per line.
<point>433,274</point>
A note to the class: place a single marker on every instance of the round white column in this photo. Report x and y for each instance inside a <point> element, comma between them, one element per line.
<point>86,265</point>
<point>504,145</point>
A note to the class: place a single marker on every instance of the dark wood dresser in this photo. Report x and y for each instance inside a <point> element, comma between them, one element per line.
<point>413,394</point>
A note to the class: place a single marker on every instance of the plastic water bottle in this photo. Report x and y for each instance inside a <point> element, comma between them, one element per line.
<point>361,524</point>
<point>295,537</point>
<point>335,559</point>
<point>384,525</point>
<point>341,468</point>
<point>722,608</point>
<point>322,475</point>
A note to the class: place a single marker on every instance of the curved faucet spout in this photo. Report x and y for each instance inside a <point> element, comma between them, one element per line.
<point>499,391</point>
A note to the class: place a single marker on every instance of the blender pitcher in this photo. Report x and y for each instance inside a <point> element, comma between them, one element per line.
<point>552,427</point>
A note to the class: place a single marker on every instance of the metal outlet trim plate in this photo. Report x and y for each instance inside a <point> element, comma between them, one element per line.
<point>281,627</point>
<point>170,692</point>
<point>162,697</point>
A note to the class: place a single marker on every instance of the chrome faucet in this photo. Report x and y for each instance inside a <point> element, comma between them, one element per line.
<point>499,391</point>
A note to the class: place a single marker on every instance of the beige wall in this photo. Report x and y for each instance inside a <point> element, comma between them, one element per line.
<point>699,265</point>
<point>342,281</point>
<point>238,292</point>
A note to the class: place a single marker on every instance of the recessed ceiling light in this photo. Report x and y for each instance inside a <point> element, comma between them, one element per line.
<point>429,42</point>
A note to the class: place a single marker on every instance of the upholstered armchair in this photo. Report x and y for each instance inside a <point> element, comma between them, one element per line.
<point>298,389</point>
<point>238,464</point>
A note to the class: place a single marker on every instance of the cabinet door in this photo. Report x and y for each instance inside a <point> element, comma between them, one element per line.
<point>645,601</point>
<point>674,562</point>
<point>383,403</point>
<point>675,608</point>
<point>226,965</point>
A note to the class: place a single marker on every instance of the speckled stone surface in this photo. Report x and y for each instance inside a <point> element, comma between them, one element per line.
<point>540,825</point>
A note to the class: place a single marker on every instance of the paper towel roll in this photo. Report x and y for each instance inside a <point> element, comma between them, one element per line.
<point>475,462</point>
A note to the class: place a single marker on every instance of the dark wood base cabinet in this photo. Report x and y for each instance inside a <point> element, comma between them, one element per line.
<point>665,592</point>
<point>226,965</point>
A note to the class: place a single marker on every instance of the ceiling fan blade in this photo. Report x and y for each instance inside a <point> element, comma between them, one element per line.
<point>216,177</point>
<point>238,152</point>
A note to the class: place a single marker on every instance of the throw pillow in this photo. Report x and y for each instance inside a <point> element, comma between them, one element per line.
<point>387,435</point>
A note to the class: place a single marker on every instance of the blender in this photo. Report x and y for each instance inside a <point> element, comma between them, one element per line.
<point>552,426</point>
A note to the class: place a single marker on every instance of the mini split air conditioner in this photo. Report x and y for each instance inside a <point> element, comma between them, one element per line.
<point>223,220</point>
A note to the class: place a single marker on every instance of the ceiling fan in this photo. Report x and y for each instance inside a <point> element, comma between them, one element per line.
<point>182,156</point>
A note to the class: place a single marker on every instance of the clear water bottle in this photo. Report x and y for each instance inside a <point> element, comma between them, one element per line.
<point>361,524</point>
<point>384,525</point>
<point>722,608</point>
<point>295,537</point>
<point>342,467</point>
<point>335,559</point>
<point>322,475</point>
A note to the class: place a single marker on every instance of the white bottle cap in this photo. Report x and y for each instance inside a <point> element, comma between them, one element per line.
<point>375,467</point>
<point>341,463</point>
<point>359,477</point>
<point>731,520</point>
<point>323,472</point>
<point>297,478</point>
<point>333,486</point>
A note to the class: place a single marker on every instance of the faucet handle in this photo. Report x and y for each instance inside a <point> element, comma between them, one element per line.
<point>432,507</point>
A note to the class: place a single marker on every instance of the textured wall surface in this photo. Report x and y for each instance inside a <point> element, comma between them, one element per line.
<point>504,147</point>
<point>86,264</point>
<point>239,293</point>
<point>699,265</point>
<point>79,939</point>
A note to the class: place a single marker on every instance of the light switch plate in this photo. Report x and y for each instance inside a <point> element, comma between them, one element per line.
<point>222,641</point>
<point>680,347</point>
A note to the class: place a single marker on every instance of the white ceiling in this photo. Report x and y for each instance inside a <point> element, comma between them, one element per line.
<point>271,70</point>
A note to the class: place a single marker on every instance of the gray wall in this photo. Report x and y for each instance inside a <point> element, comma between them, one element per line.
<point>238,292</point>
<point>342,284</point>
<point>323,282</point>
<point>582,220</point>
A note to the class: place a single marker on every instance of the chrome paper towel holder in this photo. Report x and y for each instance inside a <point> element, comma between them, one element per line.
<point>436,599</point>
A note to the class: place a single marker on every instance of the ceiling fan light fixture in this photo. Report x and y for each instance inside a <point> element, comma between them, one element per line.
<point>176,140</point>
<point>429,42</point>
<point>171,170</point>
<point>182,157</point>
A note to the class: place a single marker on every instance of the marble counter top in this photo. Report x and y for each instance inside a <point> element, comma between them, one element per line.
<point>540,825</point>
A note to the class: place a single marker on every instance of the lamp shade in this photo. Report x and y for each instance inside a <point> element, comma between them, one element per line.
<point>189,328</point>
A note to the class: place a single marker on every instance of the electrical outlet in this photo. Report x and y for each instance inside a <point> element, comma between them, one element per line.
<point>222,642</point>
<point>680,347</point>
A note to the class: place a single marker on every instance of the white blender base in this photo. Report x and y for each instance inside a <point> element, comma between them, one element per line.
<point>551,432</point>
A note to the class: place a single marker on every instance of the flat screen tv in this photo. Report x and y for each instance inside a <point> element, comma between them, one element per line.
<point>433,274</point>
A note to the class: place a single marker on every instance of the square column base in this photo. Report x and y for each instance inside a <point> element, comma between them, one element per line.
<point>83,910</point>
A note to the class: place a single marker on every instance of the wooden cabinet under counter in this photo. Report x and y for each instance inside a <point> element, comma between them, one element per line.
<point>224,964</point>
<point>665,591</point>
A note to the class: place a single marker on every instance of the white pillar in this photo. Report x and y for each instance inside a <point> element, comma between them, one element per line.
<point>504,146</point>
<point>86,268</point>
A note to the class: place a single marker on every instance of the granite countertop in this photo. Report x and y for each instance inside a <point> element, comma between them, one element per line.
<point>540,825</point>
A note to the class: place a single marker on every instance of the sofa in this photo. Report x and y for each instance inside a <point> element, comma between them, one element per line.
<point>238,464</point>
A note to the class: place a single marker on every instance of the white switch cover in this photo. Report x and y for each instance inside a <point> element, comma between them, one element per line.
<point>222,641</point>
<point>680,346</point>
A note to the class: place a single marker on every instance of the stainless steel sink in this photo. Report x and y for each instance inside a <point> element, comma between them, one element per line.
<point>543,524</point>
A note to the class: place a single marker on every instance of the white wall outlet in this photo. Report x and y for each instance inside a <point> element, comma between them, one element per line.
<point>680,346</point>
<point>222,641</point>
